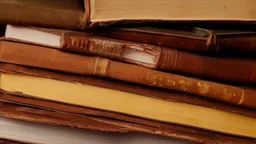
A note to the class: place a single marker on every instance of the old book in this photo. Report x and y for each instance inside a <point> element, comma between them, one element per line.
<point>112,84</point>
<point>38,128</point>
<point>166,59</point>
<point>190,39</point>
<point>80,14</point>
<point>36,56</point>
<point>130,104</point>
<point>63,118</point>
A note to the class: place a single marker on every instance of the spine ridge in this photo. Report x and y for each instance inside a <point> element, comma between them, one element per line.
<point>36,56</point>
<point>100,66</point>
<point>168,59</point>
<point>91,45</point>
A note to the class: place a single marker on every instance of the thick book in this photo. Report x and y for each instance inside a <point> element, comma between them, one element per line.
<point>129,104</point>
<point>80,14</point>
<point>130,125</point>
<point>50,118</point>
<point>166,59</point>
<point>113,84</point>
<point>194,39</point>
<point>35,132</point>
<point>41,57</point>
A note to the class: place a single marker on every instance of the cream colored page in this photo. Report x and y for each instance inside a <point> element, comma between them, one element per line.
<point>109,10</point>
<point>137,105</point>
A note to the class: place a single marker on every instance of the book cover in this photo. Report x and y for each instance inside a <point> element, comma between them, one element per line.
<point>81,14</point>
<point>41,57</point>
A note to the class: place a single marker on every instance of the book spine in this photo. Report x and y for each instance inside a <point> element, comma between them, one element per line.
<point>164,58</point>
<point>117,85</point>
<point>20,112</point>
<point>36,56</point>
<point>109,48</point>
<point>113,124</point>
<point>221,69</point>
<point>65,14</point>
<point>87,44</point>
<point>236,43</point>
<point>164,40</point>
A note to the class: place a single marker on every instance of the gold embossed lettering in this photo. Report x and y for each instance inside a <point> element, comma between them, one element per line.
<point>203,87</point>
<point>170,82</point>
<point>185,85</point>
<point>156,79</point>
<point>151,78</point>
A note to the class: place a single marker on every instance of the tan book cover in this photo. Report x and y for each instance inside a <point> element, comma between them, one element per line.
<point>117,85</point>
<point>41,57</point>
<point>81,14</point>
<point>221,69</point>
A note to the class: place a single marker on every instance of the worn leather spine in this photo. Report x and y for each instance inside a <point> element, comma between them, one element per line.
<point>113,84</point>
<point>65,14</point>
<point>36,56</point>
<point>215,68</point>
<point>159,37</point>
<point>167,59</point>
<point>236,43</point>
<point>51,116</point>
<point>87,44</point>
<point>109,48</point>
<point>194,39</point>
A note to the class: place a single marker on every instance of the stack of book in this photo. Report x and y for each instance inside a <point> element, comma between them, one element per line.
<point>175,68</point>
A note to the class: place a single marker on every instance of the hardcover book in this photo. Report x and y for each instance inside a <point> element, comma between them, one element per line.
<point>112,124</point>
<point>116,85</point>
<point>81,14</point>
<point>25,132</point>
<point>165,59</point>
<point>194,39</point>
<point>129,104</point>
<point>53,59</point>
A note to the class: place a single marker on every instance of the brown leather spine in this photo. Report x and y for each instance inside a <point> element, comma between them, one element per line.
<point>109,48</point>
<point>65,119</point>
<point>111,84</point>
<point>172,60</point>
<point>236,43</point>
<point>194,39</point>
<point>41,115</point>
<point>91,45</point>
<point>159,37</point>
<point>66,14</point>
<point>216,68</point>
<point>40,57</point>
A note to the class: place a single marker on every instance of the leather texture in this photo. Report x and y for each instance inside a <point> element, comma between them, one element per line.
<point>66,14</point>
<point>118,85</point>
<point>190,39</point>
<point>111,123</point>
<point>54,59</point>
<point>222,69</point>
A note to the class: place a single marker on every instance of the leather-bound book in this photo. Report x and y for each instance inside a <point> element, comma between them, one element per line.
<point>81,14</point>
<point>41,57</point>
<point>166,59</point>
<point>189,39</point>
<point>112,122</point>
<point>129,104</point>
<point>116,85</point>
